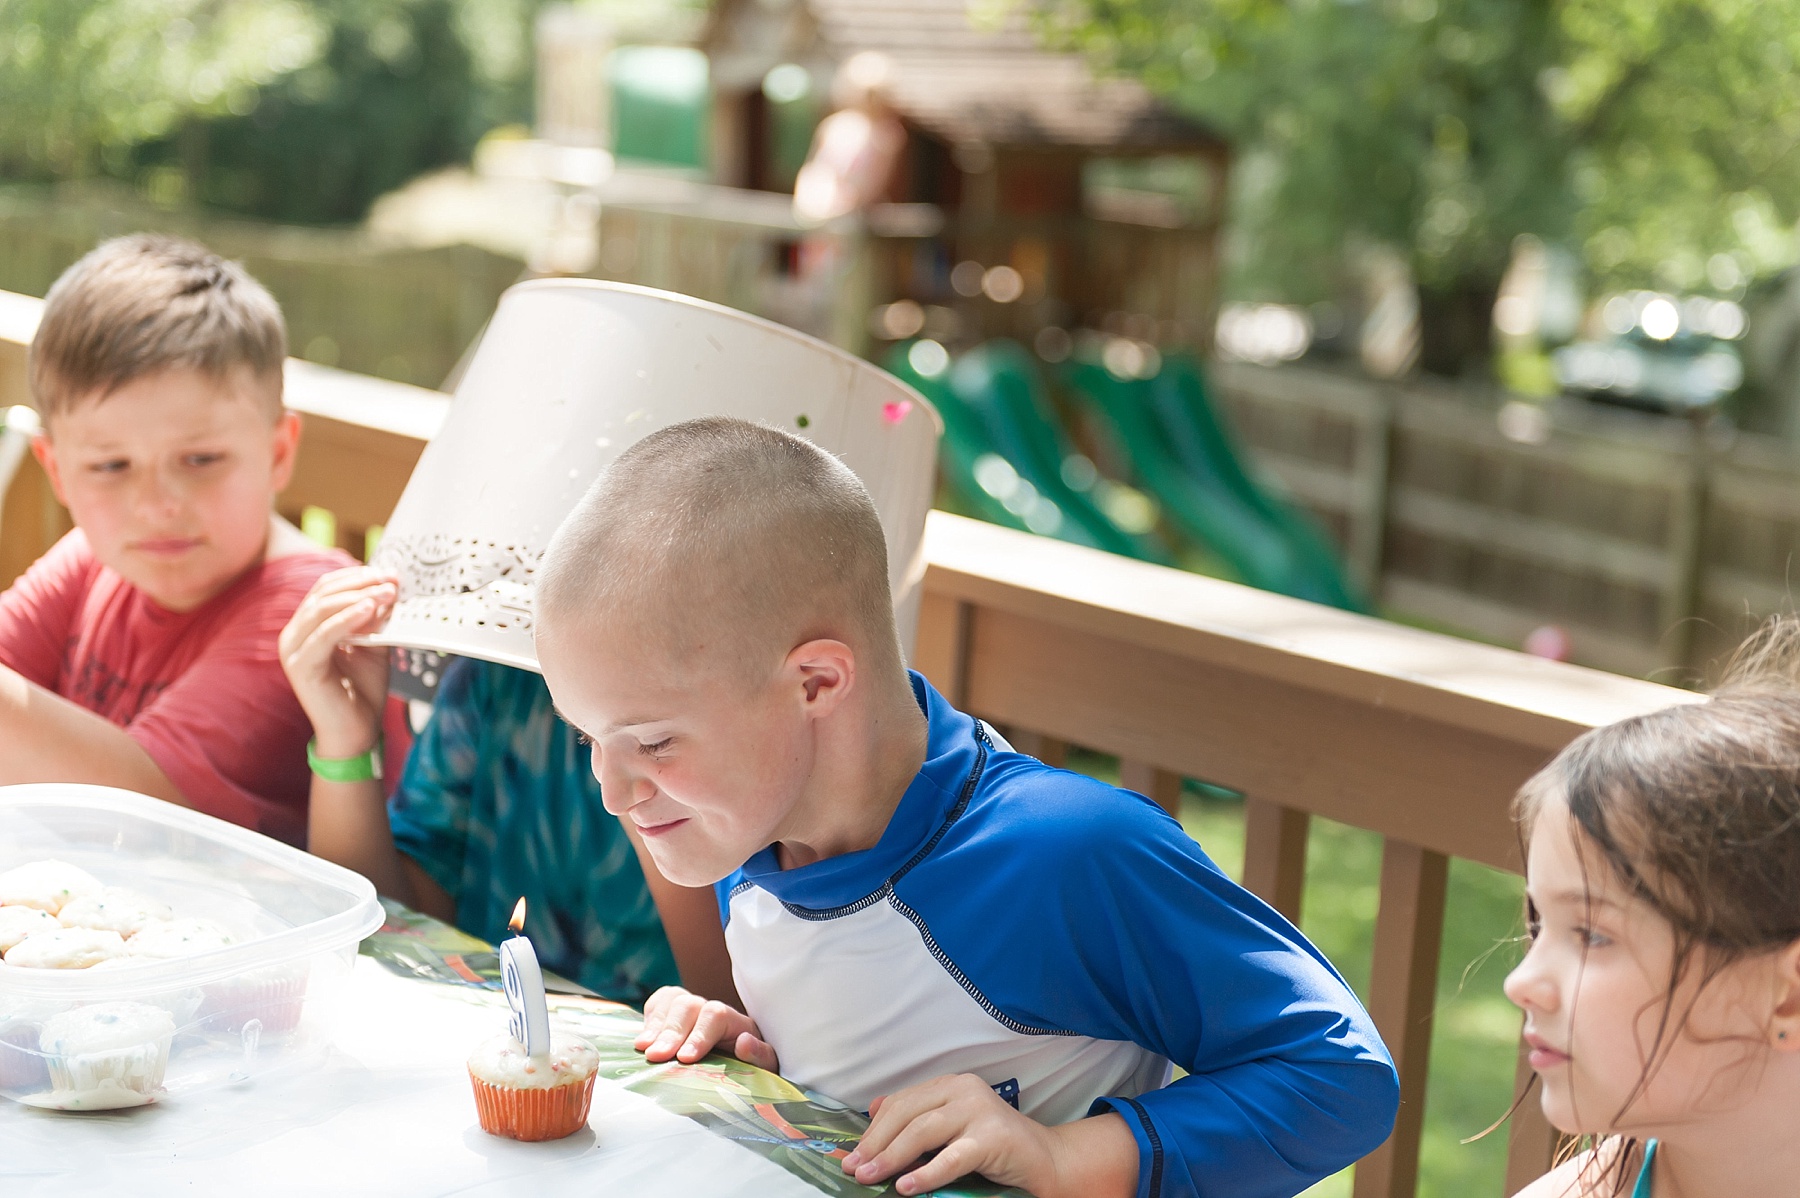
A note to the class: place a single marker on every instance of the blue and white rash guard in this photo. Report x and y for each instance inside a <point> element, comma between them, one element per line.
<point>1065,941</point>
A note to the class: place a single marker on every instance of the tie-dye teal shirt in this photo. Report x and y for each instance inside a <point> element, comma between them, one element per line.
<point>498,800</point>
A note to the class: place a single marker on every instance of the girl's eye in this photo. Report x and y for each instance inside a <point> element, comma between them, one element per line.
<point>114,466</point>
<point>1591,939</point>
<point>1533,927</point>
<point>656,750</point>
<point>582,738</point>
<point>204,459</point>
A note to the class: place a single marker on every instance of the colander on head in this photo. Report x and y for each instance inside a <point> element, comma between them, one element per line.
<point>571,373</point>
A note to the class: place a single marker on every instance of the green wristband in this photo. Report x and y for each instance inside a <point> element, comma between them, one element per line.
<point>365,767</point>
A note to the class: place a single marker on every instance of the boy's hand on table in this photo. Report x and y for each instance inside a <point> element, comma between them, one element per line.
<point>343,688</point>
<point>973,1130</point>
<point>683,1026</point>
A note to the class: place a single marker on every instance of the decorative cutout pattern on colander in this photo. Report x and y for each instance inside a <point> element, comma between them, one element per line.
<point>463,581</point>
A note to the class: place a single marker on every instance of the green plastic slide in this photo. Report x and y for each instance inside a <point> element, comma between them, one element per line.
<point>1003,448</point>
<point>1180,451</point>
<point>962,450</point>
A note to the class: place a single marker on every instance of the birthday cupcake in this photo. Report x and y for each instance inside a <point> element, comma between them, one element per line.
<point>533,1098</point>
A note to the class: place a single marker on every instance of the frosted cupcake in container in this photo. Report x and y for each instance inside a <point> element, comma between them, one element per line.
<point>46,885</point>
<point>65,948</point>
<point>16,923</point>
<point>105,1056</point>
<point>113,909</point>
<point>545,1097</point>
<point>274,998</point>
<point>169,938</point>
<point>21,1066</point>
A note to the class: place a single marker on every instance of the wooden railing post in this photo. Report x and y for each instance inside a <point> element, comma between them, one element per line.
<point>941,648</point>
<point>1275,854</point>
<point>1409,932</point>
<point>1047,749</point>
<point>1161,785</point>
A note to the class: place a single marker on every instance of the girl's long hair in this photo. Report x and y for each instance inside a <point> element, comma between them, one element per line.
<point>1695,809</point>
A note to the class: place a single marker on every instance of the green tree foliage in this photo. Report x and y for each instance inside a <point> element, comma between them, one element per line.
<point>79,78</point>
<point>394,93</point>
<point>1657,137</point>
<point>300,110</point>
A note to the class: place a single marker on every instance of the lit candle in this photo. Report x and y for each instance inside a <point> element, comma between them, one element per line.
<point>523,982</point>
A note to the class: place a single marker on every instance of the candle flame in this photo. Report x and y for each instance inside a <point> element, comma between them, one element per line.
<point>517,922</point>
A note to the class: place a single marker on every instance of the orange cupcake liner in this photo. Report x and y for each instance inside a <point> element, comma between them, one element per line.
<point>532,1114</point>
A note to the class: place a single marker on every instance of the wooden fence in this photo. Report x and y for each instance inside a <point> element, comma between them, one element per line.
<point>1655,542</point>
<point>1419,737</point>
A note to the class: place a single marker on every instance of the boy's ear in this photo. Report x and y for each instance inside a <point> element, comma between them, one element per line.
<point>826,672</point>
<point>286,449</point>
<point>45,453</point>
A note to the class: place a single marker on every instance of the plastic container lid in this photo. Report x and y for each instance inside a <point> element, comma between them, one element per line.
<point>281,904</point>
<point>295,921</point>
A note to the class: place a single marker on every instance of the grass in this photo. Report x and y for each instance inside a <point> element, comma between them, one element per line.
<point>1475,1033</point>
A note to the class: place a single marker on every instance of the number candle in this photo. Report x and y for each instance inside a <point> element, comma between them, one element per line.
<point>523,981</point>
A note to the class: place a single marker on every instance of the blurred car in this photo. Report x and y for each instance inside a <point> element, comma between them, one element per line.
<point>1663,354</point>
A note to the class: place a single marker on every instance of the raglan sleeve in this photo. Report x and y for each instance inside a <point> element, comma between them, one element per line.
<point>1287,1080</point>
<point>38,612</point>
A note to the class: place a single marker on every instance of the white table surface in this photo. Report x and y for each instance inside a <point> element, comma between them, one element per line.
<point>387,1110</point>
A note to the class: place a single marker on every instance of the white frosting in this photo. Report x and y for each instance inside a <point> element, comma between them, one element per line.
<point>501,1061</point>
<point>16,923</point>
<point>106,1055</point>
<point>113,909</point>
<point>65,948</point>
<point>46,885</point>
<point>177,938</point>
<point>105,1027</point>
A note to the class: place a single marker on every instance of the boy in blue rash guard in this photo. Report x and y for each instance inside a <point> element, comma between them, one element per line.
<point>999,960</point>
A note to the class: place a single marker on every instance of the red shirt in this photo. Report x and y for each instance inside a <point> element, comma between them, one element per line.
<point>201,691</point>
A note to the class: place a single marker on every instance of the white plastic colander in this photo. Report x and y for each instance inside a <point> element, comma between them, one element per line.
<point>572,372</point>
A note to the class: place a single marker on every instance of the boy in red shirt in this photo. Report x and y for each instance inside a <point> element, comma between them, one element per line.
<point>140,652</point>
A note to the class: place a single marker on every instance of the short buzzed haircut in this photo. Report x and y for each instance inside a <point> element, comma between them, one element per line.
<point>733,536</point>
<point>147,302</point>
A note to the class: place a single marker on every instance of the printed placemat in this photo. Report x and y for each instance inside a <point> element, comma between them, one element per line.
<point>805,1133</point>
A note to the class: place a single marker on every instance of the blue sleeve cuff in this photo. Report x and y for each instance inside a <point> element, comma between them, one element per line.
<point>1149,1142</point>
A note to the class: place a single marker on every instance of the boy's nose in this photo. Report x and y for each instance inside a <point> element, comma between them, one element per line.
<point>619,790</point>
<point>158,494</point>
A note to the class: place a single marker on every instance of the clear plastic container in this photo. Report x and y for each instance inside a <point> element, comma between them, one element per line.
<point>231,1013</point>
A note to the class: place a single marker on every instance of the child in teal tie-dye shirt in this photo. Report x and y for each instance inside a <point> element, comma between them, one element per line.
<point>498,800</point>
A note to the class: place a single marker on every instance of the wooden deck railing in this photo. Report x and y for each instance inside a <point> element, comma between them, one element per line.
<point>1308,711</point>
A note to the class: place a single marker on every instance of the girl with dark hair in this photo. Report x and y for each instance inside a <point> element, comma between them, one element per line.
<point>1662,988</point>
